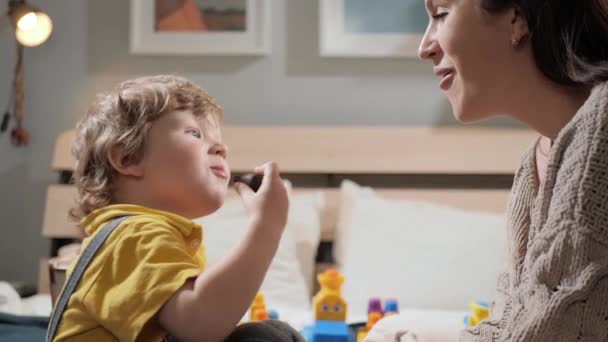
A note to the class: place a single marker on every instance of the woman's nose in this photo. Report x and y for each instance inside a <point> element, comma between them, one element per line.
<point>429,47</point>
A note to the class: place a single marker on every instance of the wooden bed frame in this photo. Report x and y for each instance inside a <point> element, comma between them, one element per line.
<point>462,167</point>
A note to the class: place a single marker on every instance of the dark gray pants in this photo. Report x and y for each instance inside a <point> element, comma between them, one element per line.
<point>263,331</point>
<point>270,330</point>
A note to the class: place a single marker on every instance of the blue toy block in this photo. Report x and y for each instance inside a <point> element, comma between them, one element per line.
<point>273,314</point>
<point>482,303</point>
<point>327,331</point>
<point>391,306</point>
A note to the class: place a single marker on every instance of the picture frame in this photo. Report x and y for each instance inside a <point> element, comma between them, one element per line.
<point>337,40</point>
<point>185,31</point>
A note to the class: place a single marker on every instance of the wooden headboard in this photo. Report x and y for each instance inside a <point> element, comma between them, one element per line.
<point>363,150</point>
<point>463,167</point>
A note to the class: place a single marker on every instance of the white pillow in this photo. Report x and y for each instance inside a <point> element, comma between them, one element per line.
<point>425,256</point>
<point>285,286</point>
<point>304,219</point>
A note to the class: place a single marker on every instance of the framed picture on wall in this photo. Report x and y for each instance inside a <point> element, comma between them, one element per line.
<point>200,27</point>
<point>364,28</point>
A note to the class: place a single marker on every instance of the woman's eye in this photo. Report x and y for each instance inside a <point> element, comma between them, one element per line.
<point>440,16</point>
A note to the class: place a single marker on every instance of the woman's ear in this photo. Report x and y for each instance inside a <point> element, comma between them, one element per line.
<point>121,163</point>
<point>519,26</point>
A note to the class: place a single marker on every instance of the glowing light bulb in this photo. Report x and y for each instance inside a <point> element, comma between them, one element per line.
<point>34,29</point>
<point>28,21</point>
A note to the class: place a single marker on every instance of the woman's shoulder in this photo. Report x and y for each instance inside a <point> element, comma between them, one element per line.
<point>525,173</point>
<point>580,162</point>
<point>586,137</point>
<point>593,115</point>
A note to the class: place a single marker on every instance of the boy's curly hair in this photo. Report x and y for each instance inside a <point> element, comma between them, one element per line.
<point>123,117</point>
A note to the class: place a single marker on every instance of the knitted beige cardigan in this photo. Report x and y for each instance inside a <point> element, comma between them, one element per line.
<point>556,286</point>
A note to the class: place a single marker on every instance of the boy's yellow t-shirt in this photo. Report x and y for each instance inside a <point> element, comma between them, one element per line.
<point>140,266</point>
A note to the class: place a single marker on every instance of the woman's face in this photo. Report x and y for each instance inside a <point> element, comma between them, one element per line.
<point>472,54</point>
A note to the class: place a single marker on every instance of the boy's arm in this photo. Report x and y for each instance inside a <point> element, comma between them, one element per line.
<point>210,306</point>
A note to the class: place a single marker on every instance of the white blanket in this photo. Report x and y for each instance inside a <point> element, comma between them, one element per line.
<point>11,303</point>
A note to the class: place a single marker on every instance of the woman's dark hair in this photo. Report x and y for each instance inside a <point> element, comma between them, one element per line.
<point>569,37</point>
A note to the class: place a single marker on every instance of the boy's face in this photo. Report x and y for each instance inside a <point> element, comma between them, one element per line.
<point>185,164</point>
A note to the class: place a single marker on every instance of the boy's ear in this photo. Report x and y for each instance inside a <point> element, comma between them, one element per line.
<point>122,165</point>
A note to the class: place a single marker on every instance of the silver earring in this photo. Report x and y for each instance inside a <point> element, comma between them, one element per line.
<point>514,41</point>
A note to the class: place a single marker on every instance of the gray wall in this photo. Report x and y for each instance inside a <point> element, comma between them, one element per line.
<point>88,52</point>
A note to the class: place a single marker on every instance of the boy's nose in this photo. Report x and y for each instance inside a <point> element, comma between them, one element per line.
<point>219,149</point>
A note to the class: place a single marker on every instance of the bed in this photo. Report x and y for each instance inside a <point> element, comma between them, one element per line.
<point>412,213</point>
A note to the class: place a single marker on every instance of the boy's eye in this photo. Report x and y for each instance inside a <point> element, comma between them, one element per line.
<point>195,133</point>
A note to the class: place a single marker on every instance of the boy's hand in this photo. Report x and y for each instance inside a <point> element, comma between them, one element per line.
<point>268,207</point>
<point>218,297</point>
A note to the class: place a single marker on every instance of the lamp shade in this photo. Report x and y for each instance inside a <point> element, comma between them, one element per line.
<point>33,28</point>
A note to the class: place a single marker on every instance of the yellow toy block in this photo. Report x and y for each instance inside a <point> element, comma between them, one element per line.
<point>479,312</point>
<point>372,319</point>
<point>328,303</point>
<point>361,335</point>
<point>257,305</point>
<point>260,315</point>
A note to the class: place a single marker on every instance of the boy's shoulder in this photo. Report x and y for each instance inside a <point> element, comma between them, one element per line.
<point>131,229</point>
<point>140,221</point>
<point>150,224</point>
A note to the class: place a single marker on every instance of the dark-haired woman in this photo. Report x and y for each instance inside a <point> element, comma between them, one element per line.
<point>545,63</point>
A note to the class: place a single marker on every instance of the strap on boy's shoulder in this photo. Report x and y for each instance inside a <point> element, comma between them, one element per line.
<point>81,265</point>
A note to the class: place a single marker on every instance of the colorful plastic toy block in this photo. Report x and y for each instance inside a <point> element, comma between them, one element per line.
<point>374,305</point>
<point>328,303</point>
<point>261,315</point>
<point>375,313</point>
<point>327,331</point>
<point>391,307</point>
<point>479,312</point>
<point>273,314</point>
<point>372,319</point>
<point>257,305</point>
<point>329,311</point>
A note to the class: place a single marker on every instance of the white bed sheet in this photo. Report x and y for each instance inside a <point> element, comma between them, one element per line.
<point>427,325</point>
<point>420,325</point>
